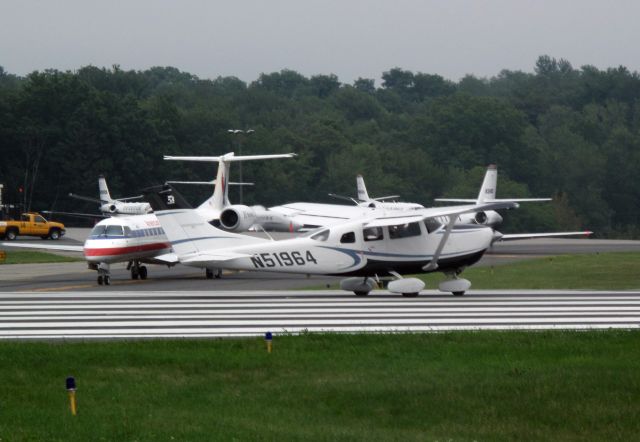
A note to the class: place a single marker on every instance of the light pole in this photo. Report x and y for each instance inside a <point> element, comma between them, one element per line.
<point>240,133</point>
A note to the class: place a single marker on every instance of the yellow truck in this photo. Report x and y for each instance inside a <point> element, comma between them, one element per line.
<point>31,224</point>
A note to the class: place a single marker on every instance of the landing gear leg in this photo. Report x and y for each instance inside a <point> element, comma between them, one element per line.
<point>104,274</point>
<point>213,273</point>
<point>134,266</point>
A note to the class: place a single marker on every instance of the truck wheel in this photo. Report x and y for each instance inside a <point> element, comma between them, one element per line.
<point>11,234</point>
<point>54,234</point>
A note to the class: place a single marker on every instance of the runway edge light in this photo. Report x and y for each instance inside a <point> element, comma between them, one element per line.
<point>71,388</point>
<point>268,338</point>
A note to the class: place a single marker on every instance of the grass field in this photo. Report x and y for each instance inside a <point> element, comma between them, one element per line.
<point>604,271</point>
<point>32,257</point>
<point>449,386</point>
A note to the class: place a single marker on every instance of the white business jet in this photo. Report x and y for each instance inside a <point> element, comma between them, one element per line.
<point>238,217</point>
<point>114,207</point>
<point>487,194</point>
<point>365,249</point>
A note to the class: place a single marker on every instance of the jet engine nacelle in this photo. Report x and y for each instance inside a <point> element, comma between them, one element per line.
<point>109,208</point>
<point>237,218</point>
<point>488,218</point>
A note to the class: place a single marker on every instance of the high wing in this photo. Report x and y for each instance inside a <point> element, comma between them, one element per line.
<point>450,212</point>
<point>515,236</point>
<point>78,249</point>
<point>515,200</point>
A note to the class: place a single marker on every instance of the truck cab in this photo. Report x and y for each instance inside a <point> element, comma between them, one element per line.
<point>31,224</point>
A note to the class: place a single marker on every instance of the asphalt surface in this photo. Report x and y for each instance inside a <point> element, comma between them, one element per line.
<point>76,276</point>
<point>144,314</point>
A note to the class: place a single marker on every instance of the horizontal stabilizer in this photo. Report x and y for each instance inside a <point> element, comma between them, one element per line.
<point>208,183</point>
<point>212,257</point>
<point>228,157</point>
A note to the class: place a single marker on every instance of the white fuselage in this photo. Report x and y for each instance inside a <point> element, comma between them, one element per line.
<point>345,249</point>
<point>126,238</point>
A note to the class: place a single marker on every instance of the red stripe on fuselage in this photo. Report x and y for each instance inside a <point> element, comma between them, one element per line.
<point>111,251</point>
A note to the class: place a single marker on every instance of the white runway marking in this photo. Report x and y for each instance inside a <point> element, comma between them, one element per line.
<point>96,315</point>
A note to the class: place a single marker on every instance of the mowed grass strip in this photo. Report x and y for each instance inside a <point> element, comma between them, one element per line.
<point>603,271</point>
<point>440,386</point>
<point>33,257</point>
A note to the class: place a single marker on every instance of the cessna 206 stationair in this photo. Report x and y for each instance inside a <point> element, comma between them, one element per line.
<point>363,249</point>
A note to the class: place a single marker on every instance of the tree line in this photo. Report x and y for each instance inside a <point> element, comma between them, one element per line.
<point>571,133</point>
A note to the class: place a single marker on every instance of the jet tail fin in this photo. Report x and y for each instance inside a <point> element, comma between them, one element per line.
<point>105,197</point>
<point>362,189</point>
<point>489,184</point>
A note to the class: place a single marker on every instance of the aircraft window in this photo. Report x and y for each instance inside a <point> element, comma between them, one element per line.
<point>114,231</point>
<point>127,232</point>
<point>40,219</point>
<point>432,225</point>
<point>349,237</point>
<point>404,231</point>
<point>321,236</point>
<point>98,230</point>
<point>372,233</point>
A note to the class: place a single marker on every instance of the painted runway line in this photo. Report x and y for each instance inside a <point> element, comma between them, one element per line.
<point>129,315</point>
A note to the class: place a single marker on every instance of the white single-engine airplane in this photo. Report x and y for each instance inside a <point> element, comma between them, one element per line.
<point>363,250</point>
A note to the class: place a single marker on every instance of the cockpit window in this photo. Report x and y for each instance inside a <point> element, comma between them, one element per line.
<point>98,231</point>
<point>114,231</point>
<point>127,232</point>
<point>432,225</point>
<point>349,237</point>
<point>321,236</point>
<point>404,230</point>
<point>372,233</point>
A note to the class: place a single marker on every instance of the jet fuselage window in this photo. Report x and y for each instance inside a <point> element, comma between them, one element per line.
<point>432,225</point>
<point>372,234</point>
<point>127,232</point>
<point>404,230</point>
<point>349,237</point>
<point>98,230</point>
<point>321,236</point>
<point>114,231</point>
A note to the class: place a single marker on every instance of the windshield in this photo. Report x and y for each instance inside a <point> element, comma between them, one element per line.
<point>114,231</point>
<point>97,231</point>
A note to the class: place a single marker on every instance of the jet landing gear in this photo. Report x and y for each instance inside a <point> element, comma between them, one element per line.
<point>213,273</point>
<point>137,270</point>
<point>104,274</point>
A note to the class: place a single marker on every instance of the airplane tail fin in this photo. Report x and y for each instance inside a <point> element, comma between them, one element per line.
<point>489,184</point>
<point>105,197</point>
<point>188,233</point>
<point>362,189</point>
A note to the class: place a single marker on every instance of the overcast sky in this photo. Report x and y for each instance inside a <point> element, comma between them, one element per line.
<point>349,38</point>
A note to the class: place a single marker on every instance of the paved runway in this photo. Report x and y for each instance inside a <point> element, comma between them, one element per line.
<point>143,314</point>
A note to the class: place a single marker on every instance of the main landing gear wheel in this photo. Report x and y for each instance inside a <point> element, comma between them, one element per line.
<point>410,295</point>
<point>143,272</point>
<point>361,293</point>
<point>135,273</point>
<point>209,273</point>
<point>457,293</point>
<point>106,280</point>
<point>99,279</point>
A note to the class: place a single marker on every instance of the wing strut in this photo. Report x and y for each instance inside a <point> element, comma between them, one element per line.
<point>436,256</point>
